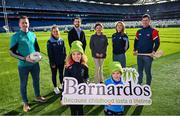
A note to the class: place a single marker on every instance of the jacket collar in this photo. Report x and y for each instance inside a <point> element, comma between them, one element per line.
<point>116,82</point>
<point>52,39</point>
<point>77,28</point>
<point>146,27</point>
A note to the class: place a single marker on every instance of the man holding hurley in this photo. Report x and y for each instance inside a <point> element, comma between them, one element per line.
<point>146,42</point>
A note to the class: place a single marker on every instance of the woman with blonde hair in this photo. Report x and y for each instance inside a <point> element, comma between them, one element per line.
<point>120,44</point>
<point>57,55</point>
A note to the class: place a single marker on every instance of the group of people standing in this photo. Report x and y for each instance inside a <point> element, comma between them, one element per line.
<point>24,42</point>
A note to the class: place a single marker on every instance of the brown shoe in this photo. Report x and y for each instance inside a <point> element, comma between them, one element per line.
<point>26,107</point>
<point>40,99</point>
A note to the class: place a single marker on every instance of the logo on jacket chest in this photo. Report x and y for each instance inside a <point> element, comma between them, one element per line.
<point>145,35</point>
<point>54,44</point>
<point>59,42</point>
<point>117,38</point>
<point>148,35</point>
<point>120,37</point>
<point>82,72</point>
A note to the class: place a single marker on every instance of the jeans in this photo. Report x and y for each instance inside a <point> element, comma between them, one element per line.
<point>120,58</point>
<point>23,74</point>
<point>144,62</point>
<point>98,70</point>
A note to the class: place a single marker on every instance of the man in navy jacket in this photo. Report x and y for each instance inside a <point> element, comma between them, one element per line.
<point>76,33</point>
<point>146,41</point>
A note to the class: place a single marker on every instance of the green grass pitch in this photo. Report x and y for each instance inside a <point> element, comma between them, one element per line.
<point>165,83</point>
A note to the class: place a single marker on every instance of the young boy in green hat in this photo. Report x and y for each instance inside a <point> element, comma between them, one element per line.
<point>115,78</point>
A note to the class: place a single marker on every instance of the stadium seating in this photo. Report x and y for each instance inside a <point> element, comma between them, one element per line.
<point>49,12</point>
<point>91,8</point>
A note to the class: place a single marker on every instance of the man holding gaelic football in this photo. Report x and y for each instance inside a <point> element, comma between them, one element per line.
<point>24,43</point>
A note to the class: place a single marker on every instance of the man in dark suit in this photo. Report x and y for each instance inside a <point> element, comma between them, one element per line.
<point>76,33</point>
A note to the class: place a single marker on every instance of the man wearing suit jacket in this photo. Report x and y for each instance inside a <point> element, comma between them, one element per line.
<point>76,33</point>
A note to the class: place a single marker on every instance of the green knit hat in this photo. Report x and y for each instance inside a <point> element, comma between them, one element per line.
<point>115,66</point>
<point>76,46</point>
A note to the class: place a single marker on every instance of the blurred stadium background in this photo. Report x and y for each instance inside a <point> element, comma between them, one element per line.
<point>45,13</point>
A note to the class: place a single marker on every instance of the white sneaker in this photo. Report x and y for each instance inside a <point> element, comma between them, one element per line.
<point>56,90</point>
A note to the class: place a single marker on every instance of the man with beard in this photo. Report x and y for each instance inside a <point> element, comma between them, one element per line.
<point>76,33</point>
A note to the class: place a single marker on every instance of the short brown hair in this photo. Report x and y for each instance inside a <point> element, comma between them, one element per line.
<point>98,24</point>
<point>77,18</point>
<point>146,16</point>
<point>23,17</point>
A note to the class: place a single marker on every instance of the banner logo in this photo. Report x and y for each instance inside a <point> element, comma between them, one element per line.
<point>128,93</point>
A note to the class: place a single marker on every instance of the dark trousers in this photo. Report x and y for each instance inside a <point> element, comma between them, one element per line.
<point>60,68</point>
<point>23,74</point>
<point>144,62</point>
<point>76,109</point>
<point>111,113</point>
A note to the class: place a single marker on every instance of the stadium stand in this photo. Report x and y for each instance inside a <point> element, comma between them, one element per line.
<point>50,12</point>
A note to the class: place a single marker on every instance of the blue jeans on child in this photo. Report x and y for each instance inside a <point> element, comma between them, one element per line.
<point>23,74</point>
<point>120,58</point>
<point>144,62</point>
